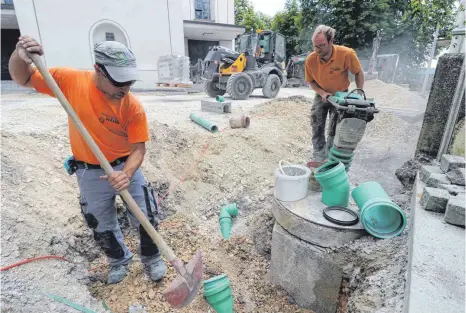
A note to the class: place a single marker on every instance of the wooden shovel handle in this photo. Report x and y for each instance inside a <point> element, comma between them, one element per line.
<point>158,240</point>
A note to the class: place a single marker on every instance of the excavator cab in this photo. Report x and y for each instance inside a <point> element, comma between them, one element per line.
<point>258,62</point>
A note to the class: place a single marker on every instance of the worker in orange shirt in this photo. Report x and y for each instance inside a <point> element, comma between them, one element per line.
<point>118,124</point>
<point>326,70</point>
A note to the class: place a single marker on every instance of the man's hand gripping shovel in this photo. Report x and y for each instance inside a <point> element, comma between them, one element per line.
<point>185,287</point>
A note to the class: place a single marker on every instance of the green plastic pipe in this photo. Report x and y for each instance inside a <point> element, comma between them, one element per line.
<point>204,123</point>
<point>220,98</point>
<point>335,185</point>
<point>225,219</point>
<point>69,303</point>
<point>217,292</point>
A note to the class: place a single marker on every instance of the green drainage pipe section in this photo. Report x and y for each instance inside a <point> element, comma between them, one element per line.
<point>225,219</point>
<point>220,98</point>
<point>217,292</point>
<point>379,215</point>
<point>335,185</point>
<point>204,123</point>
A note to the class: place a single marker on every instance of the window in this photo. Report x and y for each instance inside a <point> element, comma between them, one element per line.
<point>109,36</point>
<point>202,9</point>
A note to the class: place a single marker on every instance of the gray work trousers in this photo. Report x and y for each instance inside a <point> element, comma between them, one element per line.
<point>98,206</point>
<point>319,112</point>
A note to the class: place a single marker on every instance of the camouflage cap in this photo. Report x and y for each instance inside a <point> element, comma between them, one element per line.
<point>118,60</point>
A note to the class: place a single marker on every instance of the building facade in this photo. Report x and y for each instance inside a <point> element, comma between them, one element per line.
<point>69,29</point>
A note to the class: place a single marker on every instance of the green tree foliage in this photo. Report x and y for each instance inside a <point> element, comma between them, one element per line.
<point>288,23</point>
<point>407,26</point>
<point>247,17</point>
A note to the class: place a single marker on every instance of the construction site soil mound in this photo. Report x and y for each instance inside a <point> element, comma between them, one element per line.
<point>195,175</point>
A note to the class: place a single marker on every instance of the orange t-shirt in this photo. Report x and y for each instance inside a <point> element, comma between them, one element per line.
<point>332,76</point>
<point>113,124</point>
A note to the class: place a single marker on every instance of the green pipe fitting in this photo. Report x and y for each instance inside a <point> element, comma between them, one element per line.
<point>379,215</point>
<point>225,219</point>
<point>335,185</point>
<point>220,98</point>
<point>217,292</point>
<point>204,123</point>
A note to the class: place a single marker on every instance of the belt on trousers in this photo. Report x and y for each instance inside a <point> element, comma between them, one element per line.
<point>81,164</point>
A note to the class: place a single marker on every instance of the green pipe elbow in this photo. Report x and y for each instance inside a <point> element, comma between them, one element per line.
<point>225,219</point>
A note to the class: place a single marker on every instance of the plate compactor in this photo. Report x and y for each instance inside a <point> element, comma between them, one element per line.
<point>354,112</point>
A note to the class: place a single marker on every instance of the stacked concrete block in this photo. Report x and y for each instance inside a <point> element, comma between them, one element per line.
<point>451,162</point>
<point>216,106</point>
<point>427,170</point>
<point>455,211</point>
<point>453,189</point>
<point>456,176</point>
<point>445,188</point>
<point>435,180</point>
<point>435,199</point>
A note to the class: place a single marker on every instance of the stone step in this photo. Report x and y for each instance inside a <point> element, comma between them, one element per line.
<point>435,276</point>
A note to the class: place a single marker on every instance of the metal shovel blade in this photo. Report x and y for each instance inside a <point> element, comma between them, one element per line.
<point>185,287</point>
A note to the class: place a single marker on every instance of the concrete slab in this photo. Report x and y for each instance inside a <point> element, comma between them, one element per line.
<point>305,271</point>
<point>435,199</point>
<point>435,180</point>
<point>435,281</point>
<point>304,219</point>
<point>457,176</point>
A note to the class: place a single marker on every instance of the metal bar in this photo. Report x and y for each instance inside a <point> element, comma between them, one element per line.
<point>429,63</point>
<point>453,116</point>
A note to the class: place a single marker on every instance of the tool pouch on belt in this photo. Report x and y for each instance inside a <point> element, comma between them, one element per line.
<point>70,165</point>
<point>151,204</point>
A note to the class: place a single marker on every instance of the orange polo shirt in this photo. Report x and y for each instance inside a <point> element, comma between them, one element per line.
<point>332,76</point>
<point>113,124</point>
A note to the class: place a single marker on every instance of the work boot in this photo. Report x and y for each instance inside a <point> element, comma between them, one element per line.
<point>117,273</point>
<point>155,269</point>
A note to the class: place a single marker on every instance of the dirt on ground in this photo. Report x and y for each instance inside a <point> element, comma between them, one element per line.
<point>201,172</point>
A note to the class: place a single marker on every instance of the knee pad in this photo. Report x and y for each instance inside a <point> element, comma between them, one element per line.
<point>109,244</point>
<point>148,247</point>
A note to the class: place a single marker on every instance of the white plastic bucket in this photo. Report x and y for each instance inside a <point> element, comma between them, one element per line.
<point>291,182</point>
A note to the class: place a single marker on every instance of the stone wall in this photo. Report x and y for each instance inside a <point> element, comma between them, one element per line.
<point>439,104</point>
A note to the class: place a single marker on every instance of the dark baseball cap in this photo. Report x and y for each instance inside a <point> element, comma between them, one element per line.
<point>119,60</point>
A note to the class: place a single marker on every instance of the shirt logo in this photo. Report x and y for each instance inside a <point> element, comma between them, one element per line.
<point>334,69</point>
<point>109,118</point>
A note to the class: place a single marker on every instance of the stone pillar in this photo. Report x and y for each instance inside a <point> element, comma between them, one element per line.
<point>439,104</point>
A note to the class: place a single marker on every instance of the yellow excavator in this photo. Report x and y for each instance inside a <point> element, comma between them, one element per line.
<point>258,62</point>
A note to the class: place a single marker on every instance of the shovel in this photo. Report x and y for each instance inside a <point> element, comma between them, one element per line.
<point>183,288</point>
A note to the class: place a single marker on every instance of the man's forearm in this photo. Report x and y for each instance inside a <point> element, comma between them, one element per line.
<point>134,161</point>
<point>316,88</point>
<point>359,78</point>
<point>20,71</point>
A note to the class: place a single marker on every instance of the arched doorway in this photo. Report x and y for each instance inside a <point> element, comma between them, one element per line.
<point>107,30</point>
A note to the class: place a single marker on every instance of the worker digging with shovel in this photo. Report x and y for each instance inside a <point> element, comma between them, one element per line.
<point>117,122</point>
<point>326,70</point>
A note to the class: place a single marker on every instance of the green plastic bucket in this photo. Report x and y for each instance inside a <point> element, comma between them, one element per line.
<point>379,215</point>
<point>333,179</point>
<point>217,292</point>
<point>341,154</point>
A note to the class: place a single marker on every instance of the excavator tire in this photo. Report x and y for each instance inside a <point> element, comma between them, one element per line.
<point>212,90</point>
<point>272,86</point>
<point>239,86</point>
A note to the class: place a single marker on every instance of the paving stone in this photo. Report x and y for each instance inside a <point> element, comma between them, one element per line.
<point>427,170</point>
<point>454,213</point>
<point>456,176</point>
<point>451,162</point>
<point>434,199</point>
<point>435,180</point>
<point>453,189</point>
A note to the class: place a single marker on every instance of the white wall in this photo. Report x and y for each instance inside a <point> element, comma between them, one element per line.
<point>64,28</point>
<point>222,11</point>
<point>226,43</point>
